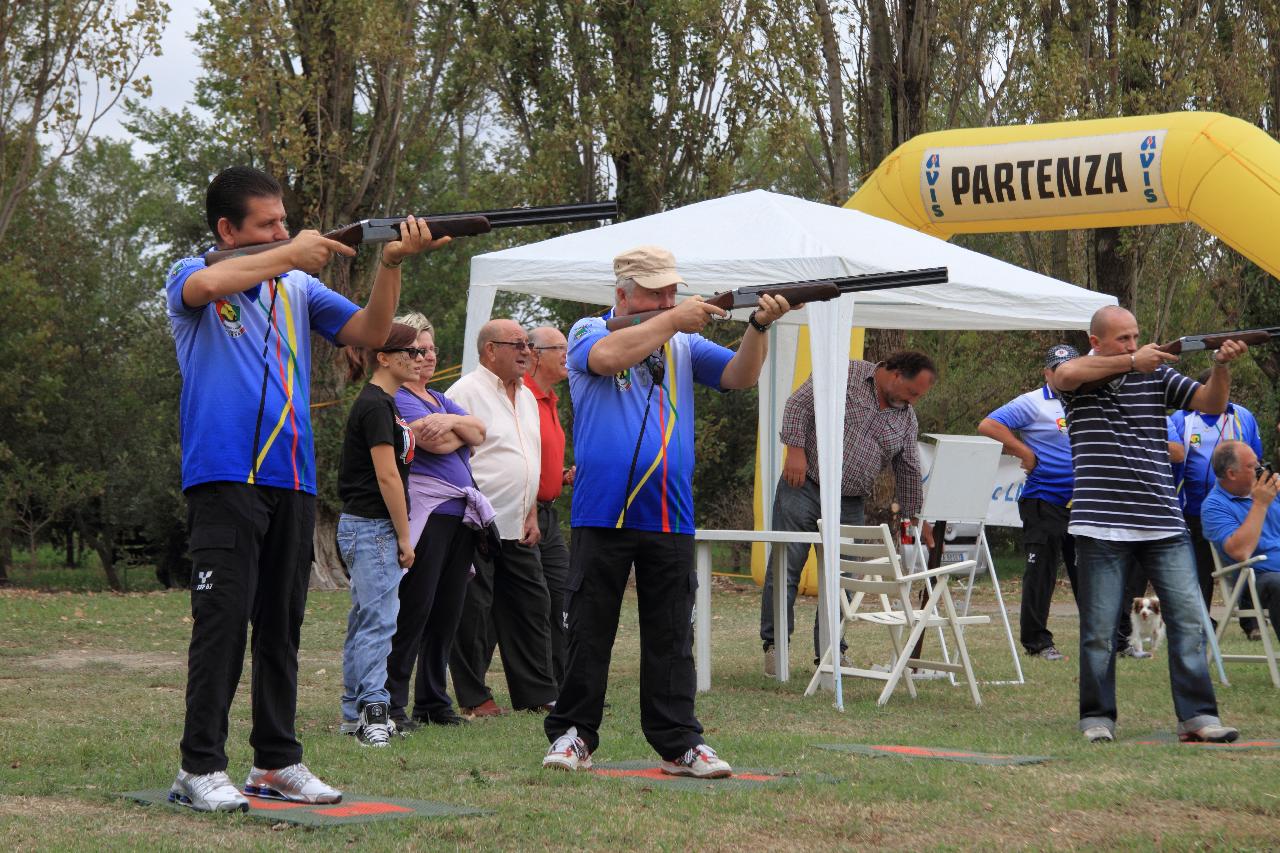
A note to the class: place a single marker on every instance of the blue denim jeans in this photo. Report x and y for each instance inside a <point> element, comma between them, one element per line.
<point>1171,566</point>
<point>368,546</point>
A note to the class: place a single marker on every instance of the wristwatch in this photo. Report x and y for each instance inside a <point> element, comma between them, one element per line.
<point>757,325</point>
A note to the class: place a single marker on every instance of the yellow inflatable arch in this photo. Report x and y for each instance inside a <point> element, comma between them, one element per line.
<point>1219,172</point>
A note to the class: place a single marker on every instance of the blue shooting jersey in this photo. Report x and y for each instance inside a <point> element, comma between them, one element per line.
<point>608,412</point>
<point>220,352</point>
<point>1199,434</point>
<point>1038,418</point>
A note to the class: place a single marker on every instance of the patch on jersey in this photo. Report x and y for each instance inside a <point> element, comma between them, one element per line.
<point>1062,425</point>
<point>623,379</point>
<point>1195,439</point>
<point>229,314</point>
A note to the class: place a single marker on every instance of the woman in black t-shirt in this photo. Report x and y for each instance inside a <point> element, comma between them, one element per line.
<point>373,530</point>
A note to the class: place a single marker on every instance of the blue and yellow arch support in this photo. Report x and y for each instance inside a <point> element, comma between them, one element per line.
<point>1219,172</point>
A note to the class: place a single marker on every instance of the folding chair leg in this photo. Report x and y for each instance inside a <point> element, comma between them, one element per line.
<point>895,674</point>
<point>961,647</point>
<point>895,637</point>
<point>1267,648</point>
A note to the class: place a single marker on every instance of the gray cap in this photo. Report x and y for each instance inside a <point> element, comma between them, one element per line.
<point>1059,353</point>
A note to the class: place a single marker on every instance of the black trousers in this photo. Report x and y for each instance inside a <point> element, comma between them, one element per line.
<point>600,562</point>
<point>431,596</point>
<point>1204,568</point>
<point>555,568</point>
<point>251,560</point>
<point>506,602</point>
<point>1044,540</point>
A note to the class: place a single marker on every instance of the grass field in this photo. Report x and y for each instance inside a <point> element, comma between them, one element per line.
<point>91,699</point>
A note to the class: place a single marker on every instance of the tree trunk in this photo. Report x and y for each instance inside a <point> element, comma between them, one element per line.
<point>6,554</point>
<point>835,98</point>
<point>327,571</point>
<point>1114,266</point>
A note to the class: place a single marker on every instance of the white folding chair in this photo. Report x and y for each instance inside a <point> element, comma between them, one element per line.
<point>871,572</point>
<point>1235,608</point>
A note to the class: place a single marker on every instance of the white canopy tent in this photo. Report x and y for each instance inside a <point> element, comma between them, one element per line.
<point>760,238</point>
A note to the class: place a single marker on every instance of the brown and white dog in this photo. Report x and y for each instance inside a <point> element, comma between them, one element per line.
<point>1148,625</point>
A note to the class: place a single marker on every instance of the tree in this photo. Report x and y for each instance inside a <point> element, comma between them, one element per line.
<point>63,65</point>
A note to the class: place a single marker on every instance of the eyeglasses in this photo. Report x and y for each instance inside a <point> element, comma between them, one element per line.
<point>412,352</point>
<point>554,348</point>
<point>520,346</point>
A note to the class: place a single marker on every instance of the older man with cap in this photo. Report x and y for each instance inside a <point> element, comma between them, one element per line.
<point>632,393</point>
<point>1033,427</point>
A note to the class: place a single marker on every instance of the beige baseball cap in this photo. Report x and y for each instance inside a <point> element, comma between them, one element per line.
<point>651,266</point>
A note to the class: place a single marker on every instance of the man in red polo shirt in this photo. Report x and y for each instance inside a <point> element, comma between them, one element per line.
<point>550,355</point>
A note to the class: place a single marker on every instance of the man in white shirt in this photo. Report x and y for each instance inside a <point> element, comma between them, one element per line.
<point>507,600</point>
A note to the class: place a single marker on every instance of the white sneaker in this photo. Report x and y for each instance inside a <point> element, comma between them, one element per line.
<point>701,762</point>
<point>1098,734</point>
<point>207,792</point>
<point>294,783</point>
<point>569,752</point>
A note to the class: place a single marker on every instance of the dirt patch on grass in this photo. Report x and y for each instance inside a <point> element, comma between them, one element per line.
<point>68,659</point>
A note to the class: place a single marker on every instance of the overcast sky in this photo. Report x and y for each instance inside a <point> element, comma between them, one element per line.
<point>173,74</point>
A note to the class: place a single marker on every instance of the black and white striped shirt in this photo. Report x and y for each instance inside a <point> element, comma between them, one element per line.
<point>1124,487</point>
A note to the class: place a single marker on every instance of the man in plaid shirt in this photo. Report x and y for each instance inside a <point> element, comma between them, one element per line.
<point>879,431</point>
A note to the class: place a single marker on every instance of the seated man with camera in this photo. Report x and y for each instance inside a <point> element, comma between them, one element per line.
<point>1242,518</point>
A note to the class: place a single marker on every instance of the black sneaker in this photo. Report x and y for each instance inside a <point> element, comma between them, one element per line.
<point>375,726</point>
<point>445,718</point>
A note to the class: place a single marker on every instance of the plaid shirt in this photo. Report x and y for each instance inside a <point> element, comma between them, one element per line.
<point>873,438</point>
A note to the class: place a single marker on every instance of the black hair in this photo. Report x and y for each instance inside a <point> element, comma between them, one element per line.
<point>229,193</point>
<point>909,363</point>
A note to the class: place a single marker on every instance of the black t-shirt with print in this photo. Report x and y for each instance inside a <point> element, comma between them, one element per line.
<point>373,420</point>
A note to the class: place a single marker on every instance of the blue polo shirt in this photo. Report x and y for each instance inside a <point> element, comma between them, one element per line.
<point>1200,434</point>
<point>608,412</point>
<point>1038,418</point>
<point>1221,515</point>
<point>220,348</point>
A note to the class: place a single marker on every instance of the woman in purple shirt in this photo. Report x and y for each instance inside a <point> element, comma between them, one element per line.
<point>444,500</point>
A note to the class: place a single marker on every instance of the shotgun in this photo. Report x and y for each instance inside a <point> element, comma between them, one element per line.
<point>1196,343</point>
<point>444,225</point>
<point>799,292</point>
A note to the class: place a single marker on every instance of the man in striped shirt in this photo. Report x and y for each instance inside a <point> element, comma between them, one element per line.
<point>1124,510</point>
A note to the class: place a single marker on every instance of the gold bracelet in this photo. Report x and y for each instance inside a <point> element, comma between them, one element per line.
<point>391,266</point>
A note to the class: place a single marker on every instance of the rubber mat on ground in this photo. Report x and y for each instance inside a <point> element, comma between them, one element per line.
<point>350,810</point>
<point>964,756</point>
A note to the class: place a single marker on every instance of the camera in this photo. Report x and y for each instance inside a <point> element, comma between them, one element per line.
<point>1264,468</point>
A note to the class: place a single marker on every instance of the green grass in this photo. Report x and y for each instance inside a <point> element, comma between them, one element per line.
<point>91,703</point>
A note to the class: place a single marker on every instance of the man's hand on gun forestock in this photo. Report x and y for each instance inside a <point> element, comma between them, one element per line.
<point>771,308</point>
<point>1230,351</point>
<point>310,251</point>
<point>415,237</point>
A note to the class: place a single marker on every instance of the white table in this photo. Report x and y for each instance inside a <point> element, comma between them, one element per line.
<point>702,598</point>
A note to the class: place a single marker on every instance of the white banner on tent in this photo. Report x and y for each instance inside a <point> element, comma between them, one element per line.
<point>1010,478</point>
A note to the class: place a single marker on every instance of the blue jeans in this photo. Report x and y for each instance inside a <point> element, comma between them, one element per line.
<point>797,510</point>
<point>1170,564</point>
<point>368,547</point>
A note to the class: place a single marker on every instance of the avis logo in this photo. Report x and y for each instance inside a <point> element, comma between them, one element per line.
<point>1146,157</point>
<point>204,580</point>
<point>932,170</point>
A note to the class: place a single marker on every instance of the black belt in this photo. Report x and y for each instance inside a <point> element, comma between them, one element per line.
<point>546,504</point>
